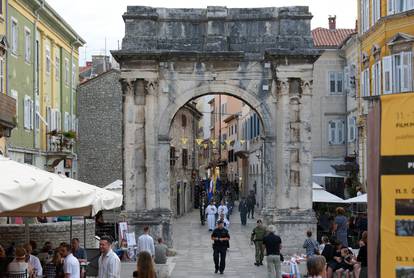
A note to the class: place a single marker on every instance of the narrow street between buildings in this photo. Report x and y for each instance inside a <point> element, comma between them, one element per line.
<point>195,255</point>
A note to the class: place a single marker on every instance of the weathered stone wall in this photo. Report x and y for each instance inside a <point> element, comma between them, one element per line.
<point>217,29</point>
<point>100,129</point>
<point>54,232</point>
<point>263,56</point>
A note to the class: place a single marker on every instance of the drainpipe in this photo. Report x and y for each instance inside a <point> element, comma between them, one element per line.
<point>36,71</point>
<point>7,60</point>
<point>74,155</point>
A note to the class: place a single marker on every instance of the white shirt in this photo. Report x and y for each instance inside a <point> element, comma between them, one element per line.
<point>146,243</point>
<point>211,210</point>
<point>15,266</point>
<point>71,266</point>
<point>37,266</point>
<point>109,265</point>
<point>223,210</point>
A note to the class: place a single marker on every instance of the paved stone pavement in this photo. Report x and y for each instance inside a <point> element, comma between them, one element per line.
<point>195,254</point>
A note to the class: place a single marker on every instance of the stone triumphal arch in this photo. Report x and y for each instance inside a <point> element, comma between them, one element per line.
<point>263,56</point>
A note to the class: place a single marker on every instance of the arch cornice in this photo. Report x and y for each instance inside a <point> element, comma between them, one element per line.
<point>262,108</point>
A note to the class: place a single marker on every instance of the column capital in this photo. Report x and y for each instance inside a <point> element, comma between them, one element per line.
<point>151,86</point>
<point>127,85</point>
<point>306,85</point>
<point>282,86</point>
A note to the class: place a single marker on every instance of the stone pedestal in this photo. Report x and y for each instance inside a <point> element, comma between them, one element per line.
<point>159,220</point>
<point>291,225</point>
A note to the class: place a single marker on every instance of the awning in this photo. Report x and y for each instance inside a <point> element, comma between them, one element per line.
<point>320,195</point>
<point>22,185</point>
<point>65,196</point>
<point>115,186</point>
<point>358,199</point>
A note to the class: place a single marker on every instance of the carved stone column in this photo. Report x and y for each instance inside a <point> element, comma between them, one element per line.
<point>292,213</point>
<point>151,144</point>
<point>134,144</point>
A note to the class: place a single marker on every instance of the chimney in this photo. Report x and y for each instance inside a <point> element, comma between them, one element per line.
<point>332,22</point>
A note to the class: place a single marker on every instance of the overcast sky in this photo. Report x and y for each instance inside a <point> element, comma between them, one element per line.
<point>97,20</point>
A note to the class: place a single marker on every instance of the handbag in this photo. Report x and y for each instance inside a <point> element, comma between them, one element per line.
<point>281,257</point>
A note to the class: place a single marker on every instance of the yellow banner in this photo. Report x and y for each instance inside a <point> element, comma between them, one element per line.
<point>397,186</point>
<point>397,124</point>
<point>397,225</point>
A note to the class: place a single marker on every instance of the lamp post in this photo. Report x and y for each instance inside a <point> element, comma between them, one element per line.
<point>259,156</point>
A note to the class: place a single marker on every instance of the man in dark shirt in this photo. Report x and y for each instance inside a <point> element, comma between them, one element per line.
<point>221,238</point>
<point>273,244</point>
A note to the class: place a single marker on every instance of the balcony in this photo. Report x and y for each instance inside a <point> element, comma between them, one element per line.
<point>59,146</point>
<point>7,115</point>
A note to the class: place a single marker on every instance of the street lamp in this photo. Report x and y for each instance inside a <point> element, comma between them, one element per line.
<point>259,155</point>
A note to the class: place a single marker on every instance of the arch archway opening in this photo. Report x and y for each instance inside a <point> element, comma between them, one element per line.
<point>216,152</point>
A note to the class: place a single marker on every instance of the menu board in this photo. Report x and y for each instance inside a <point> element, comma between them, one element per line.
<point>397,186</point>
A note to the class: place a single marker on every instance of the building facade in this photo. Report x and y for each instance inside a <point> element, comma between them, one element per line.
<point>100,129</point>
<point>184,155</point>
<point>330,100</point>
<point>385,58</point>
<point>7,103</point>
<point>42,70</point>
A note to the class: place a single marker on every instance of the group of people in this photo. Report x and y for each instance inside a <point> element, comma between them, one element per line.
<point>263,239</point>
<point>343,227</point>
<point>66,260</point>
<point>49,262</point>
<point>338,259</point>
<point>335,248</point>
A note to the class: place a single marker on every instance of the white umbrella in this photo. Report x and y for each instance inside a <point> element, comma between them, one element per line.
<point>320,195</point>
<point>67,197</point>
<point>358,199</point>
<point>115,186</point>
<point>22,185</point>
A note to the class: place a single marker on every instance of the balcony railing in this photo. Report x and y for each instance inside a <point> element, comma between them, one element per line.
<point>62,142</point>
<point>7,114</point>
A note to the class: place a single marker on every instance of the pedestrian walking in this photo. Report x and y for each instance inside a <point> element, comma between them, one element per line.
<point>221,239</point>
<point>109,263</point>
<point>273,244</point>
<point>243,211</point>
<point>222,209</point>
<point>211,211</point>
<point>226,222</point>
<point>257,236</point>
<point>146,242</point>
<point>251,202</point>
<point>71,266</point>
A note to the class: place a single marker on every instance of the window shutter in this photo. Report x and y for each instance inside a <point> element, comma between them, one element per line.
<point>25,112</point>
<point>341,131</point>
<point>379,77</point>
<point>346,78</point>
<point>374,80</point>
<point>53,119</point>
<point>339,82</point>
<point>390,6</point>
<point>366,82</point>
<point>58,120</point>
<point>406,76</point>
<point>31,118</point>
<point>332,130</point>
<point>36,116</point>
<point>387,74</point>
<point>362,84</point>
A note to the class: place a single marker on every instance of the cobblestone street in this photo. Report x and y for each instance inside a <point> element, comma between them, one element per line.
<point>195,256</point>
